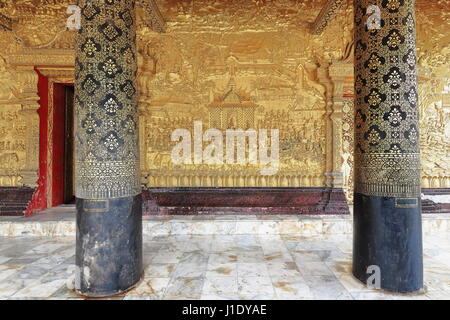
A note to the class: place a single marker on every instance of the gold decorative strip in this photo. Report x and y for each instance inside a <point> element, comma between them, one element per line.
<point>325,16</point>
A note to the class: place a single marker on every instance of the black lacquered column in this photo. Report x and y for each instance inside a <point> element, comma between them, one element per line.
<point>387,212</point>
<point>109,211</point>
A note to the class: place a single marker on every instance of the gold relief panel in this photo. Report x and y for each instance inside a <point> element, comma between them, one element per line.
<point>12,128</point>
<point>216,69</point>
<point>433,42</point>
<point>434,95</point>
<point>12,144</point>
<point>274,59</point>
<point>234,92</point>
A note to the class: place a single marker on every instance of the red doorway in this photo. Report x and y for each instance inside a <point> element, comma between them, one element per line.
<point>62,187</point>
<point>56,166</point>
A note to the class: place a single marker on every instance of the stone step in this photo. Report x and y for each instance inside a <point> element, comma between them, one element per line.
<point>13,210</point>
<point>61,223</point>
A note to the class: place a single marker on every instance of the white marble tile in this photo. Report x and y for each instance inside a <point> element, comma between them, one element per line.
<point>255,285</point>
<point>246,240</point>
<point>443,257</point>
<point>220,285</point>
<point>351,284</point>
<point>291,289</point>
<point>159,270</point>
<point>167,256</point>
<point>40,289</point>
<point>199,257</point>
<point>290,227</point>
<point>182,228</point>
<point>337,226</point>
<point>195,244</point>
<point>213,227</point>
<point>311,227</point>
<point>327,288</point>
<point>269,227</point>
<point>308,263</point>
<point>313,268</point>
<point>189,270</point>
<point>155,228</point>
<point>221,270</point>
<point>10,286</point>
<point>438,295</point>
<point>340,266</point>
<point>150,288</point>
<point>4,259</point>
<point>222,246</point>
<point>286,270</point>
<point>252,270</point>
<point>184,289</point>
<point>306,255</point>
<point>225,257</point>
<point>247,227</point>
<point>45,248</point>
<point>7,271</point>
<point>244,256</point>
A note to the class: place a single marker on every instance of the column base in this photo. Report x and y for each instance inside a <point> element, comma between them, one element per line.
<point>388,234</point>
<point>108,246</point>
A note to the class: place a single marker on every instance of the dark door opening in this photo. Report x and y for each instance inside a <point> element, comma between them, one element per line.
<point>69,189</point>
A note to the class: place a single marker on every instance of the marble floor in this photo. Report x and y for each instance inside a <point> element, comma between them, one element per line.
<point>217,267</point>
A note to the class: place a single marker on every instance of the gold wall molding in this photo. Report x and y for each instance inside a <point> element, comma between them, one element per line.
<point>43,57</point>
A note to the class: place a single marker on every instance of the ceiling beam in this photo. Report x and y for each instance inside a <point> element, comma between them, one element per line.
<point>154,15</point>
<point>327,14</point>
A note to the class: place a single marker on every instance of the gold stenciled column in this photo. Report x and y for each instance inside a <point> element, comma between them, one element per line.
<point>387,211</point>
<point>109,208</point>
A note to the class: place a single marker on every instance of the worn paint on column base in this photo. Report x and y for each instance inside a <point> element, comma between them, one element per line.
<point>388,234</point>
<point>108,245</point>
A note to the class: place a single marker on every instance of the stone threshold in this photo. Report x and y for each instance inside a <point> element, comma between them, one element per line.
<point>61,222</point>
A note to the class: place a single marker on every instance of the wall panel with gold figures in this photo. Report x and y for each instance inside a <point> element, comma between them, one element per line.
<point>249,64</point>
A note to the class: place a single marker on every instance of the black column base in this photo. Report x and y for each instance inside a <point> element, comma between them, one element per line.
<point>108,246</point>
<point>387,233</point>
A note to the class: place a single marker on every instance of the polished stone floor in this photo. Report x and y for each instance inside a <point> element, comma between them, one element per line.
<point>217,267</point>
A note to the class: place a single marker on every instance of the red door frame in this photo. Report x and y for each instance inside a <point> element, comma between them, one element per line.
<point>50,190</point>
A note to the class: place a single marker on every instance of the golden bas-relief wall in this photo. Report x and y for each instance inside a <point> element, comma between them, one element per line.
<point>12,129</point>
<point>247,64</point>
